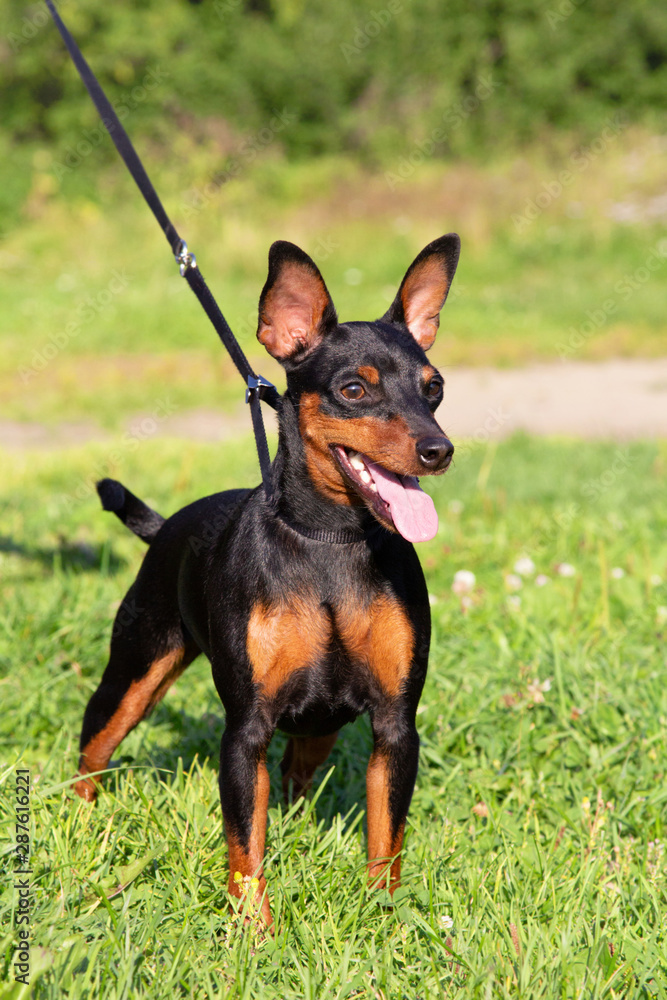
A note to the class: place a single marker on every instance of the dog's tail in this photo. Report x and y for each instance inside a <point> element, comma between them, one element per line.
<point>132,511</point>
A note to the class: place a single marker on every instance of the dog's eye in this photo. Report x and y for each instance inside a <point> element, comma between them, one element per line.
<point>354,390</point>
<point>434,388</point>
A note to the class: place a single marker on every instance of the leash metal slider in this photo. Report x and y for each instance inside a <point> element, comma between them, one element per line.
<point>258,385</point>
<point>184,258</point>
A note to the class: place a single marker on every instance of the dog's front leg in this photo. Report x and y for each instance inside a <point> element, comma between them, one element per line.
<point>390,781</point>
<point>244,793</point>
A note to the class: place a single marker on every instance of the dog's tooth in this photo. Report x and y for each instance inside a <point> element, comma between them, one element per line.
<point>365,476</point>
<point>374,488</point>
<point>357,462</point>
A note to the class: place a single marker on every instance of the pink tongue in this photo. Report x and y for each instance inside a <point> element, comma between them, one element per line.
<point>412,510</point>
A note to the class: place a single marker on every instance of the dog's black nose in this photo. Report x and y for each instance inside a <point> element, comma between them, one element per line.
<point>435,452</point>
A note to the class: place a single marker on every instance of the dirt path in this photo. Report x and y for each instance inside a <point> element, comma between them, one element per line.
<point>620,400</point>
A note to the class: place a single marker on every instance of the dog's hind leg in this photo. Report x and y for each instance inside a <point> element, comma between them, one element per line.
<point>143,664</point>
<point>303,755</point>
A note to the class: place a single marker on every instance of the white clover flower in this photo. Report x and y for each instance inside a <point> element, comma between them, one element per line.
<point>656,580</point>
<point>464,581</point>
<point>536,690</point>
<point>617,573</point>
<point>513,582</point>
<point>541,580</point>
<point>661,615</point>
<point>446,921</point>
<point>565,569</point>
<point>514,602</point>
<point>455,506</point>
<point>524,566</point>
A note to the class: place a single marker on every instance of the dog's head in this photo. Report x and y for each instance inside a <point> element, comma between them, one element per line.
<point>366,392</point>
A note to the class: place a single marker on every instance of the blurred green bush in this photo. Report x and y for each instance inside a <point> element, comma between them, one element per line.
<point>354,75</point>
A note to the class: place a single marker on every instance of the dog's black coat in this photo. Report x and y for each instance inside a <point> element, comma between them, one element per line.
<point>302,605</point>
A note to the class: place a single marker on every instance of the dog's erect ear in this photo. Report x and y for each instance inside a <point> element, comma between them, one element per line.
<point>295,308</point>
<point>424,289</point>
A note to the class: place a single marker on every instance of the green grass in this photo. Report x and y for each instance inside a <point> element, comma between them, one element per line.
<point>534,862</point>
<point>95,313</point>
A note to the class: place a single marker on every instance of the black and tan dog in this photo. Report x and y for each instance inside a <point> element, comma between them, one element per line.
<point>312,609</point>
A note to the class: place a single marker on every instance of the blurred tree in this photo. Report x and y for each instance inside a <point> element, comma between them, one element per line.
<point>362,75</point>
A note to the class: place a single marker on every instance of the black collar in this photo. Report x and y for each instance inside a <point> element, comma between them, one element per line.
<point>343,536</point>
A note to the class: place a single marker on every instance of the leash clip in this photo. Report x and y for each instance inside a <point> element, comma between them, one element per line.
<point>184,258</point>
<point>258,385</point>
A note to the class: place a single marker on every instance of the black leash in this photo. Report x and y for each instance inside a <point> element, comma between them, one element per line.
<point>258,388</point>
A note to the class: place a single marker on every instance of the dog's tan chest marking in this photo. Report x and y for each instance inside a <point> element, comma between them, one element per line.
<point>283,639</point>
<point>379,637</point>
